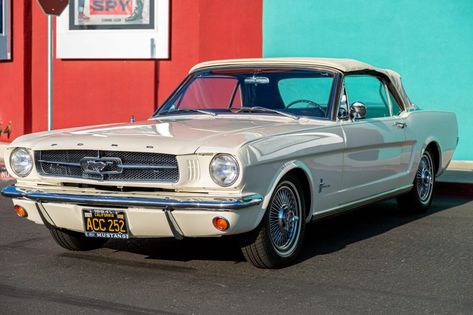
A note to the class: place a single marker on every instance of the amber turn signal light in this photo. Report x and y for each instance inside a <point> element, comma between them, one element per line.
<point>20,211</point>
<point>220,223</point>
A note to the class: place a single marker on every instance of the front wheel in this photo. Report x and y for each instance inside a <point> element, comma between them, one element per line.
<point>75,241</point>
<point>420,197</point>
<point>276,242</point>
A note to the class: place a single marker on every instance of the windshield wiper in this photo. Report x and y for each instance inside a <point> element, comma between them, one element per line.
<point>265,110</point>
<point>187,110</point>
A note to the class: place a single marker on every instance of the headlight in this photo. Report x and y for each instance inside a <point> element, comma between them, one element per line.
<point>224,169</point>
<point>21,162</point>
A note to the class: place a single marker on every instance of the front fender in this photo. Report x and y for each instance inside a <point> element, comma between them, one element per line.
<point>282,171</point>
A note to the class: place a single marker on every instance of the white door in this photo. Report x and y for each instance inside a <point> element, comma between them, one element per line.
<point>374,144</point>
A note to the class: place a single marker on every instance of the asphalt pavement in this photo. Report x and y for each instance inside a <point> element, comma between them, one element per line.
<point>374,260</point>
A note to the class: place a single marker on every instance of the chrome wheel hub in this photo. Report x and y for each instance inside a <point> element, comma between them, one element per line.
<point>286,219</point>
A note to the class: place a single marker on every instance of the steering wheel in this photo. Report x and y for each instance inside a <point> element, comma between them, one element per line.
<point>314,104</point>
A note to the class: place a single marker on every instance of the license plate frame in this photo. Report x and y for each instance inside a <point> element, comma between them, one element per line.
<point>105,223</point>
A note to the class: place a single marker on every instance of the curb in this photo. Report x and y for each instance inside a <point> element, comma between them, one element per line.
<point>457,179</point>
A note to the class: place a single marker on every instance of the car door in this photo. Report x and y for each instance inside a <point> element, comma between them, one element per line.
<point>373,144</point>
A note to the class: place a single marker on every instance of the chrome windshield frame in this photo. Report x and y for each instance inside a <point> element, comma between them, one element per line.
<point>331,104</point>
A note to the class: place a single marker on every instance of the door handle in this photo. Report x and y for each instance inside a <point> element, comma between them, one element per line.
<point>400,124</point>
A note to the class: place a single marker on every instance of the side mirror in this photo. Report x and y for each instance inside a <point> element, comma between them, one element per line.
<point>343,114</point>
<point>357,110</point>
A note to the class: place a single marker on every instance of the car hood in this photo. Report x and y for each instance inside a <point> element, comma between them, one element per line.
<point>186,135</point>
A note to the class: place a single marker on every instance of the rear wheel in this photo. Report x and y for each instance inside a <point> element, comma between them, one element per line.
<point>75,241</point>
<point>276,242</point>
<point>420,197</point>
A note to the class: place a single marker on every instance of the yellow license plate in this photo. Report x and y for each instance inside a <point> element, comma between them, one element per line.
<point>104,223</point>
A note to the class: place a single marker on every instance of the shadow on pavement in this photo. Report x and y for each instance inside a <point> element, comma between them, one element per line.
<point>216,249</point>
<point>334,234</point>
<point>322,237</point>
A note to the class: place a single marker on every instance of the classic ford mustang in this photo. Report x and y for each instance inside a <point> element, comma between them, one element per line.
<point>255,147</point>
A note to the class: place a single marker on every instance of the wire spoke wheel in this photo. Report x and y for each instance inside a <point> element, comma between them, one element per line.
<point>424,178</point>
<point>277,240</point>
<point>285,215</point>
<point>419,198</point>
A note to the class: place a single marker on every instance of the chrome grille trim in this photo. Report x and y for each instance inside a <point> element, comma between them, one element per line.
<point>127,166</point>
<point>60,163</point>
<point>133,166</point>
<point>155,166</point>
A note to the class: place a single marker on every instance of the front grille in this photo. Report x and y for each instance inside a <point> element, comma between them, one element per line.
<point>108,165</point>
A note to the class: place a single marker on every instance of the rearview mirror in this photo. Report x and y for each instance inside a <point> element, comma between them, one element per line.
<point>357,110</point>
<point>257,80</point>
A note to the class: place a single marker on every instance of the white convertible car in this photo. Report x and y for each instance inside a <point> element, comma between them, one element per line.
<point>255,147</point>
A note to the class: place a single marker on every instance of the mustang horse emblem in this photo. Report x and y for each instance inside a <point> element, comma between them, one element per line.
<point>101,166</point>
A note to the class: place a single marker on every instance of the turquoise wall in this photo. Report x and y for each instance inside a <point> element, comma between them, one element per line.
<point>429,42</point>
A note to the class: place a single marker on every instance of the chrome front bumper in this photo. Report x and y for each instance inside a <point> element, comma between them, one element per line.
<point>203,203</point>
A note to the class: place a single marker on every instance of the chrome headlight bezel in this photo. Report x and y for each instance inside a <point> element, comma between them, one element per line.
<point>18,156</point>
<point>216,166</point>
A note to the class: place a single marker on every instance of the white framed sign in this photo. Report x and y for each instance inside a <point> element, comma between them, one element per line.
<point>114,29</point>
<point>5,30</point>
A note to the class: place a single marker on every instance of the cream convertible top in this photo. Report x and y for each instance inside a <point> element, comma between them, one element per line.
<point>343,65</point>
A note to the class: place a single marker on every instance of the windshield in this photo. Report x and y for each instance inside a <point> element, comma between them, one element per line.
<point>291,93</point>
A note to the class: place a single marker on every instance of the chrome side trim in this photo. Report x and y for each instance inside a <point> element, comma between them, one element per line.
<point>205,203</point>
<point>360,203</point>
